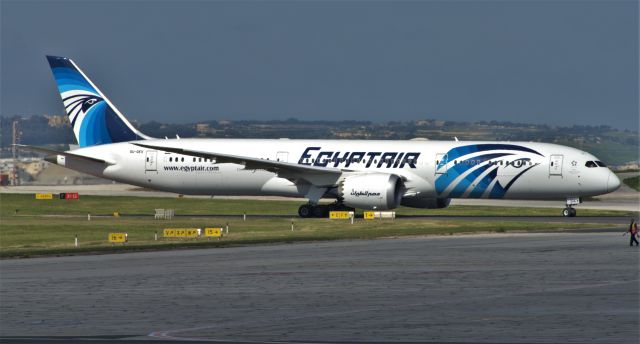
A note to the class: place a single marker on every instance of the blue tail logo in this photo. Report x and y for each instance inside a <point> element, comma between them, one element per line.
<point>94,119</point>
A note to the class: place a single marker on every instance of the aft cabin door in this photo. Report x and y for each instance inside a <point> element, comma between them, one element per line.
<point>150,161</point>
<point>555,165</point>
<point>441,163</point>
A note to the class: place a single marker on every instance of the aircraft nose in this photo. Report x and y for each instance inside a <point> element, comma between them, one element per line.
<point>613,182</point>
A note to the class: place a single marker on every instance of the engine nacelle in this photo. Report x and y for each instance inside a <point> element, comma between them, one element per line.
<point>372,191</point>
<point>426,203</point>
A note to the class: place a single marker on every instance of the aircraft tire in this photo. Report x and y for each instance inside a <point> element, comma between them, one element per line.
<point>568,212</point>
<point>320,211</point>
<point>305,211</point>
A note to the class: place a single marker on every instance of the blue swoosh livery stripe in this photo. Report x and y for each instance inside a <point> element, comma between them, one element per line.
<point>461,151</point>
<point>472,168</point>
<point>443,182</point>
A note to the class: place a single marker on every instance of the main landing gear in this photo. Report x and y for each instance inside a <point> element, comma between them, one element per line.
<point>321,210</point>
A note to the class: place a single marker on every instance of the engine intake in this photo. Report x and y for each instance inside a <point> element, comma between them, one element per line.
<point>372,191</point>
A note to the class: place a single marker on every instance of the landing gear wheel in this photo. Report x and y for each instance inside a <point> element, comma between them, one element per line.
<point>305,210</point>
<point>569,212</point>
<point>320,211</point>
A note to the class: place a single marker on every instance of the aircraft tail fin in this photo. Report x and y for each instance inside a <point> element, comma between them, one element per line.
<point>94,119</point>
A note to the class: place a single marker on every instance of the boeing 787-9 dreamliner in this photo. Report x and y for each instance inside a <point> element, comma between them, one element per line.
<point>364,174</point>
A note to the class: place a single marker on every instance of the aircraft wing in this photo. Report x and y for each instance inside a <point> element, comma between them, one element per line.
<point>319,176</point>
<point>66,154</point>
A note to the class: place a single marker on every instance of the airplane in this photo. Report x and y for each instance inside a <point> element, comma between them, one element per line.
<point>362,174</point>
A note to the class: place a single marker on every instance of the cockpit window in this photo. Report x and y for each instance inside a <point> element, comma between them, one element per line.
<point>600,163</point>
<point>591,164</point>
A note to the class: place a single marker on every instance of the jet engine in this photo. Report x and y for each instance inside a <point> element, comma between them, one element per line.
<point>426,203</point>
<point>371,191</point>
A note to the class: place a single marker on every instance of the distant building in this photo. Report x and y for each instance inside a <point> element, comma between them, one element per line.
<point>203,128</point>
<point>630,166</point>
<point>57,121</point>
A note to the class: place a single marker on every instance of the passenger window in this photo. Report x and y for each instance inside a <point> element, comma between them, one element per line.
<point>170,159</point>
<point>182,159</point>
<point>590,164</point>
<point>600,163</point>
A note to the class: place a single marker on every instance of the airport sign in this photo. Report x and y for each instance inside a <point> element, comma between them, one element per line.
<point>344,215</point>
<point>117,237</point>
<point>180,233</point>
<point>213,232</point>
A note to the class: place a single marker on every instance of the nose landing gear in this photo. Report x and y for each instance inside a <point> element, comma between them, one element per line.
<point>570,211</point>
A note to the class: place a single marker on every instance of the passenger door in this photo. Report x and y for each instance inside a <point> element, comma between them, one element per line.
<point>282,156</point>
<point>441,158</point>
<point>150,161</point>
<point>555,165</point>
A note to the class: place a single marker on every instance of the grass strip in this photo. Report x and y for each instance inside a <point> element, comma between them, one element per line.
<point>30,233</point>
<point>633,182</point>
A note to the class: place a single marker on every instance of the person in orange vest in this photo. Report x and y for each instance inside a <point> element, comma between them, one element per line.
<point>633,230</point>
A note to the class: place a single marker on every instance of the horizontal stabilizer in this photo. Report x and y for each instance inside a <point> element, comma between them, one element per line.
<point>65,154</point>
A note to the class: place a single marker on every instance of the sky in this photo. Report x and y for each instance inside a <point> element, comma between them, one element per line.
<point>548,62</point>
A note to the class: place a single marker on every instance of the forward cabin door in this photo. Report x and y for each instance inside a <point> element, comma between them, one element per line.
<point>150,161</point>
<point>555,165</point>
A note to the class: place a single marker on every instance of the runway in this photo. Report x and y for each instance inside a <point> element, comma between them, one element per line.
<point>524,288</point>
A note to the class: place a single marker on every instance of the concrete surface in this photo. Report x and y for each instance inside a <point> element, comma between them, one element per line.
<point>516,288</point>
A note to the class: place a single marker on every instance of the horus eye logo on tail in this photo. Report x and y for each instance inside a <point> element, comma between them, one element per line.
<point>79,105</point>
<point>93,118</point>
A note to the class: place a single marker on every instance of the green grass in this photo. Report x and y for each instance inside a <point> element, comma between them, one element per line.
<point>36,230</point>
<point>26,204</point>
<point>633,182</point>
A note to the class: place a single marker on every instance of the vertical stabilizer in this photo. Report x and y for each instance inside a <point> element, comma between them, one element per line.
<point>94,119</point>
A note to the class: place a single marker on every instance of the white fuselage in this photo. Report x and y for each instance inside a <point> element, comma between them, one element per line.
<point>436,169</point>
